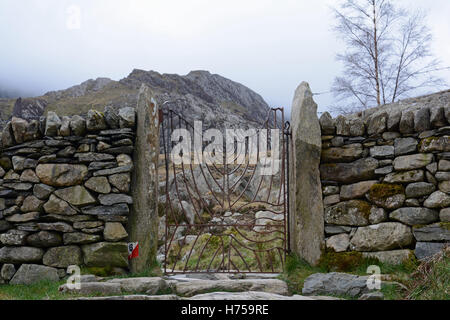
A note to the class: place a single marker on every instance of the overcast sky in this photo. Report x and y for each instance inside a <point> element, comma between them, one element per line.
<point>269,46</point>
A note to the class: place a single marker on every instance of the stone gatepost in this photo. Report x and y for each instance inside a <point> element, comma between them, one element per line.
<point>143,223</point>
<point>306,207</point>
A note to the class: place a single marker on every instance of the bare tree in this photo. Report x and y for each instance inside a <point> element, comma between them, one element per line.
<point>387,53</point>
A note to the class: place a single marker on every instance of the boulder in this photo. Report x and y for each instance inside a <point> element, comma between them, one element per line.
<point>407,122</point>
<point>342,126</point>
<point>78,125</point>
<point>95,121</point>
<point>127,117</point>
<point>111,117</point>
<point>405,177</point>
<point>437,199</point>
<point>58,206</point>
<point>422,120</point>
<point>437,117</point>
<point>415,216</point>
<point>7,136</point>
<point>357,190</point>
<point>31,204</point>
<point>17,255</point>
<point>106,254</point>
<point>93,288</point>
<point>419,189</point>
<point>435,144</point>
<point>382,152</point>
<point>61,175</point>
<point>64,130</point>
<point>32,273</point>
<point>19,127</point>
<point>335,284</point>
<point>62,257</point>
<point>412,162</point>
<point>327,124</point>
<point>381,237</point>
<point>360,170</point>
<point>44,239</point>
<point>394,121</point>
<point>350,213</point>
<point>52,124</point>
<point>426,250</point>
<point>377,124</point>
<point>339,243</point>
<point>42,191</point>
<point>405,146</point>
<point>114,231</point>
<point>29,176</point>
<point>77,196</point>
<point>433,232</point>
<point>13,238</point>
<point>98,184</point>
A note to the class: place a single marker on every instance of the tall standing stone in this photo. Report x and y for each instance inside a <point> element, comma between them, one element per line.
<point>306,207</point>
<point>143,220</point>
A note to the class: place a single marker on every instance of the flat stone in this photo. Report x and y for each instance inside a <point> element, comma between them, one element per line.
<point>435,144</point>
<point>101,165</point>
<point>419,189</point>
<point>115,210</point>
<point>87,224</point>
<point>357,190</point>
<point>32,273</point>
<point>348,173</point>
<point>415,216</point>
<point>350,213</point>
<point>17,255</point>
<point>61,175</point>
<point>44,239</point>
<point>107,172</point>
<point>394,257</point>
<point>405,177</point>
<point>114,198</point>
<point>191,288</point>
<point>93,157</point>
<point>433,232</point>
<point>330,190</point>
<point>148,285</point>
<point>7,272</point>
<point>384,171</point>
<point>444,186</point>
<point>106,253</point>
<point>444,215</point>
<point>18,186</point>
<point>77,196</point>
<point>381,237</point>
<point>377,215</point>
<point>13,238</point>
<point>382,152</point>
<point>388,136</point>
<point>426,250</point>
<point>56,226</point>
<point>62,257</point>
<point>120,181</point>
<point>331,200</point>
<point>413,162</point>
<point>114,231</point>
<point>335,284</point>
<point>405,146</point>
<point>98,184</point>
<point>80,238</point>
<point>442,176</point>
<point>58,206</point>
<point>339,243</point>
<point>334,230</point>
<point>437,200</point>
<point>23,217</point>
<point>346,153</point>
<point>29,176</point>
<point>93,288</point>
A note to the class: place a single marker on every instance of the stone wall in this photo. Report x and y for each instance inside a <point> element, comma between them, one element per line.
<point>385,177</point>
<point>65,194</point>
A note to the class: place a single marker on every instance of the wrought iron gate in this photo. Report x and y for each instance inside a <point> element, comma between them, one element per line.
<point>226,216</point>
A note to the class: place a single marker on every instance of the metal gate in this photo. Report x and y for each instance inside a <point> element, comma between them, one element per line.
<point>225,215</point>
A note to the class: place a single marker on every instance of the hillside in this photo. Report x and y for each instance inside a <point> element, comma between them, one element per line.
<point>198,95</point>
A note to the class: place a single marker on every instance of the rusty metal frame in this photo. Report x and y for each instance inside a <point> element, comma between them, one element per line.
<point>171,120</point>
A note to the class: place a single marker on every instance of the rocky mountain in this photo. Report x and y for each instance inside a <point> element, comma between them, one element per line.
<point>199,95</point>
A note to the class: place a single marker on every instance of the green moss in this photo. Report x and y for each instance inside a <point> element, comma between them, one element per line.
<point>341,262</point>
<point>363,207</point>
<point>445,225</point>
<point>384,191</point>
<point>107,271</point>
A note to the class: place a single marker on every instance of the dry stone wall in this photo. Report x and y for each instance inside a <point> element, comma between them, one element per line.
<point>386,179</point>
<point>65,194</point>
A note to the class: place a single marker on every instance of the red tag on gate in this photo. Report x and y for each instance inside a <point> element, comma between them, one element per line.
<point>133,250</point>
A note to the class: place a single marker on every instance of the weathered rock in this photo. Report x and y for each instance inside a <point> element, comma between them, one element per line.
<point>422,120</point>
<point>405,177</point>
<point>62,257</point>
<point>357,190</point>
<point>249,296</point>
<point>42,191</point>
<point>394,257</point>
<point>437,200</point>
<point>377,124</point>
<point>384,171</point>
<point>95,121</point>
<point>24,217</point>
<point>115,210</point>
<point>437,117</point>
<point>347,153</point>
<point>330,190</point>
<point>405,146</point>
<point>359,170</point>
<point>394,121</point>
<point>7,136</point>
<point>407,122</point>
<point>93,157</point>
<point>339,243</point>
<point>106,253</point>
<point>78,125</point>
<point>444,215</point>
<point>426,250</point>
<point>382,152</point>
<point>435,144</point>
<point>57,206</point>
<point>29,176</point>
<point>67,152</point>
<point>415,216</point>
<point>331,200</point>
<point>4,225</point>
<point>18,255</point>
<point>19,127</point>
<point>56,226</point>
<point>114,198</point>
<point>114,231</point>
<point>98,184</point>
<point>334,230</point>
<point>101,146</point>
<point>327,124</point>
<point>80,238</point>
<point>191,288</point>
<point>342,126</point>
<point>381,237</point>
<point>32,273</point>
<point>52,124</point>
<point>121,181</point>
<point>419,189</point>
<point>377,215</point>
<point>13,238</point>
<point>150,285</point>
<point>442,176</point>
<point>387,196</point>
<point>444,186</point>
<point>44,239</point>
<point>433,232</point>
<point>7,272</point>
<point>92,288</point>
<point>77,196</point>
<point>335,284</point>
<point>64,130</point>
<point>107,172</point>
<point>111,117</point>
<point>351,213</point>
<point>412,162</point>
<point>127,117</point>
<point>61,175</point>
